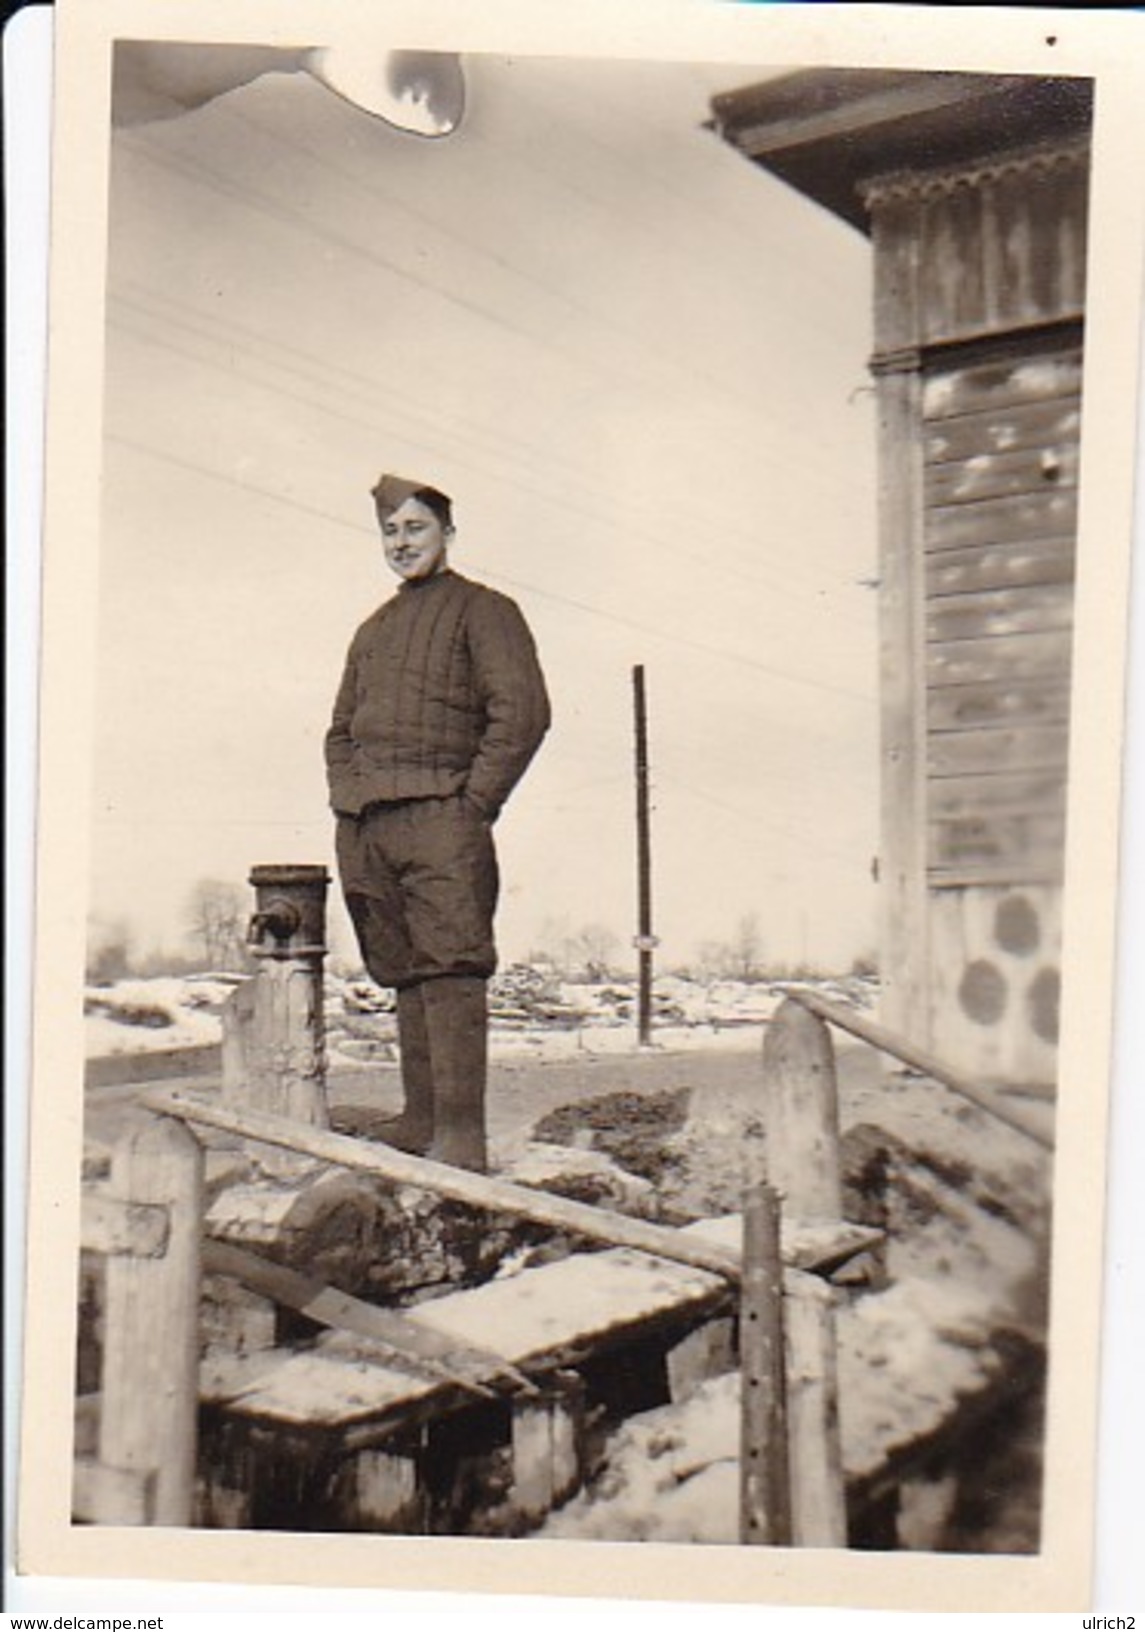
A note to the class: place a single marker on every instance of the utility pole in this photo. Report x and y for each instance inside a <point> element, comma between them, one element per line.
<point>645,941</point>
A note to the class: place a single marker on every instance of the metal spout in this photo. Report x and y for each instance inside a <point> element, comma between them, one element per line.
<point>279,919</point>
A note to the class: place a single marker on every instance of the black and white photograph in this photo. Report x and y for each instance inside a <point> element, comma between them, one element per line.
<point>584,624</point>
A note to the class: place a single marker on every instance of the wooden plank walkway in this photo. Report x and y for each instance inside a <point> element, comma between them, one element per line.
<point>546,1318</point>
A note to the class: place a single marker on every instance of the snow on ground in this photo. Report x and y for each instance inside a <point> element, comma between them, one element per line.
<point>905,1356</point>
<point>538,1019</point>
<point>972,1194</point>
<point>132,1016</point>
<point>672,1476</point>
<point>534,1014</point>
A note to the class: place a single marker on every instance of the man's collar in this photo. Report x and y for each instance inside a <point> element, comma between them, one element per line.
<point>424,583</point>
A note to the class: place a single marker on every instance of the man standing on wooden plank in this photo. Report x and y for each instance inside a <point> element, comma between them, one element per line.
<point>442,706</point>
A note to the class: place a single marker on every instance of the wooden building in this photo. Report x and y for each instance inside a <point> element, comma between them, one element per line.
<point>973,190</point>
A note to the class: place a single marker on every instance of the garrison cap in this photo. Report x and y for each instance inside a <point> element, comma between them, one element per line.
<point>391,491</point>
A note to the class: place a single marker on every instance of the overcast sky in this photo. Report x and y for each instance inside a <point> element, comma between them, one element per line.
<point>639,365</point>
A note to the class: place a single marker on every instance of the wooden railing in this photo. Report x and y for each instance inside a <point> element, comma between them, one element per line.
<point>148,1222</point>
<point>924,1061</point>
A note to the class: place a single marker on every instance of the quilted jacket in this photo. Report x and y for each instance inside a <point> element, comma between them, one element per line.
<point>442,693</point>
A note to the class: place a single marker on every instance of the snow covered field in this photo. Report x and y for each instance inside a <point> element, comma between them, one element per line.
<point>534,1014</point>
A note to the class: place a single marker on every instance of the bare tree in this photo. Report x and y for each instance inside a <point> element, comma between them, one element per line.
<point>740,958</point>
<point>109,949</point>
<point>584,951</point>
<point>215,920</point>
<point>552,944</point>
<point>747,948</point>
<point>593,946</point>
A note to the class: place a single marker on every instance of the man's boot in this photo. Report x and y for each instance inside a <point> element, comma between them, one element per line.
<point>412,1131</point>
<point>457,1022</point>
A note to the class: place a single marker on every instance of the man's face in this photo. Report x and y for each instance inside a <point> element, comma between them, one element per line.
<point>414,540</point>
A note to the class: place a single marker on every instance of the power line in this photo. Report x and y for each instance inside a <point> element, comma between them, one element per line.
<point>552,178</point>
<point>661,178</point>
<point>226,186</point>
<point>255,491</point>
<point>786,675</point>
<point>758,821</point>
<point>250,488</point>
<point>773,584</point>
<point>202,175</point>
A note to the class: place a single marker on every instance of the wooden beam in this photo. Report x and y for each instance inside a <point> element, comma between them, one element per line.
<point>989,750</point>
<point>814,1251</point>
<point>857,115</point>
<point>921,1059</point>
<point>976,704</point>
<point>453,1362</point>
<point>458,1184</point>
<point>112,1227</point>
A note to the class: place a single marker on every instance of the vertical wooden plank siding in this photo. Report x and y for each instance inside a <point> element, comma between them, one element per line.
<point>976,205</point>
<point>1002,243</point>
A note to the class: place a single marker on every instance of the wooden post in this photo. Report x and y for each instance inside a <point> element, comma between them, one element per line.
<point>765,1494</point>
<point>645,941</point>
<point>896,367</point>
<point>285,1056</point>
<point>804,1164</point>
<point>568,1434</point>
<point>818,1499</point>
<point>237,1022</point>
<point>387,1494</point>
<point>546,1436</point>
<point>103,1495</point>
<point>151,1351</point>
<point>707,1352</point>
<point>802,1114</point>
